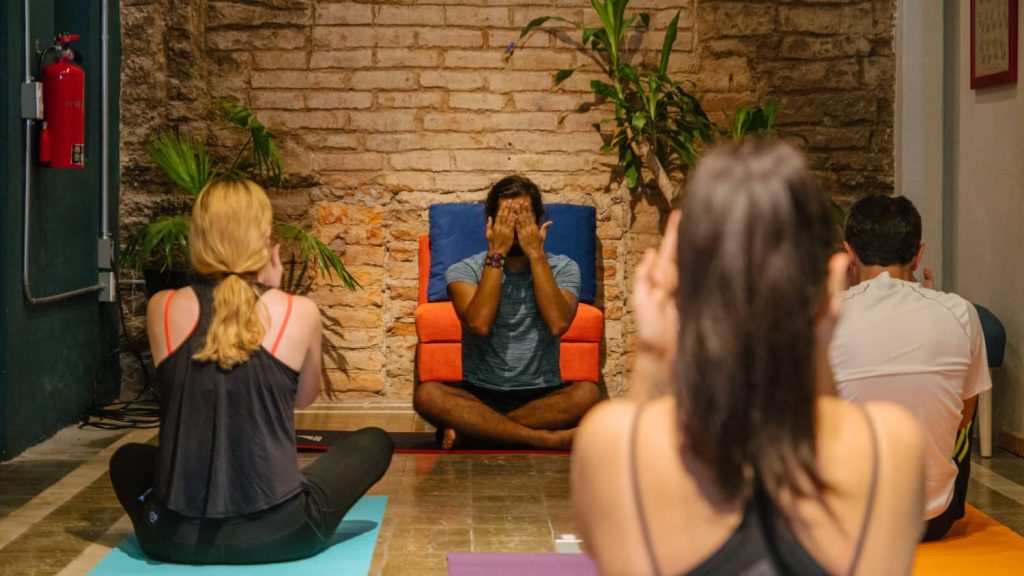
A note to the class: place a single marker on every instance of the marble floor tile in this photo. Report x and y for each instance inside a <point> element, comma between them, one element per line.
<point>58,513</point>
<point>413,564</point>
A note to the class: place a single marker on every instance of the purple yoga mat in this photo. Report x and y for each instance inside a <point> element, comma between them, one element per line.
<point>501,564</point>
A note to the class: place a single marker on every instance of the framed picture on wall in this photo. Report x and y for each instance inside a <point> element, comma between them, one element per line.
<point>993,42</point>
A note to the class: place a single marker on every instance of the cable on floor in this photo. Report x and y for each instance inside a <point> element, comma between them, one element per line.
<point>142,411</point>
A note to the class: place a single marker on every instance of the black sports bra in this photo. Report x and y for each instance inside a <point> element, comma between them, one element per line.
<point>763,544</point>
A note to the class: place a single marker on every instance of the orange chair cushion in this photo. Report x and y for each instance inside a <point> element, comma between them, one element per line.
<point>439,354</point>
<point>580,361</point>
<point>439,362</point>
<point>437,322</point>
<point>442,361</point>
<point>587,326</point>
<point>424,268</point>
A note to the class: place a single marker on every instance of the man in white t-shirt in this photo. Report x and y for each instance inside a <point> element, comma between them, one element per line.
<point>902,342</point>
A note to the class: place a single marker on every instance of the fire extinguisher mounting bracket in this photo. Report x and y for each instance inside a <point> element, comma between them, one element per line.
<point>32,100</point>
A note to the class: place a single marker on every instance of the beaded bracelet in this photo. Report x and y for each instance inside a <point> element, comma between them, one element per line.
<point>496,260</point>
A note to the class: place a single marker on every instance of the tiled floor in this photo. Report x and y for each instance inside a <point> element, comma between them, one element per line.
<point>58,513</point>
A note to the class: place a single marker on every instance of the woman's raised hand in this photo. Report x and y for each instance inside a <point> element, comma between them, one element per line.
<point>654,294</point>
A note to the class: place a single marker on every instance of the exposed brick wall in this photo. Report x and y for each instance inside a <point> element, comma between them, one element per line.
<point>384,108</point>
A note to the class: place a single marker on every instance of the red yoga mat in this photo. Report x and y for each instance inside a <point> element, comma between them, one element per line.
<point>408,443</point>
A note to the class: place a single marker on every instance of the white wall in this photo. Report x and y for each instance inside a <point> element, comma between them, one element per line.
<point>919,109</point>
<point>989,229</point>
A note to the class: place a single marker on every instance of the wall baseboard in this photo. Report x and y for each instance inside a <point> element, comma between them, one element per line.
<point>1011,442</point>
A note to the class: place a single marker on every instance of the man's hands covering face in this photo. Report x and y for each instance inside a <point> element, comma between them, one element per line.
<point>501,229</point>
<point>531,237</point>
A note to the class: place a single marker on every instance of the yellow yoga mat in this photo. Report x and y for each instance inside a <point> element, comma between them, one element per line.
<point>976,544</point>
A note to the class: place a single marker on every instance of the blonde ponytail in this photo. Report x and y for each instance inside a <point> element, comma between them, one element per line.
<point>235,330</point>
<point>228,238</point>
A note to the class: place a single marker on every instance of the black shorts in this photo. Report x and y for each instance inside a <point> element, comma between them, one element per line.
<point>937,527</point>
<point>505,401</point>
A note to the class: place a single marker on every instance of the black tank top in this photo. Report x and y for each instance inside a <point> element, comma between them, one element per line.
<point>227,438</point>
<point>763,544</point>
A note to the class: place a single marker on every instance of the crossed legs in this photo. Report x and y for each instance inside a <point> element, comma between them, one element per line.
<point>546,422</point>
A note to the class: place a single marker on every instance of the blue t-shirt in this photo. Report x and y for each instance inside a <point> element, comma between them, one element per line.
<point>520,352</point>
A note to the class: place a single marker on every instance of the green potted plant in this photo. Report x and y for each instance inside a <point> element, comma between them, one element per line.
<point>658,122</point>
<point>159,249</point>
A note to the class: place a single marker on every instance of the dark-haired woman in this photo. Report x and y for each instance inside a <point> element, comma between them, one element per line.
<point>235,356</point>
<point>748,463</point>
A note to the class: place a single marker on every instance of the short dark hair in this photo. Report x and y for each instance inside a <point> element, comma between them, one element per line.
<point>514,187</point>
<point>884,230</point>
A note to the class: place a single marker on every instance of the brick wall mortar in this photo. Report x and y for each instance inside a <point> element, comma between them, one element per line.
<point>386,107</point>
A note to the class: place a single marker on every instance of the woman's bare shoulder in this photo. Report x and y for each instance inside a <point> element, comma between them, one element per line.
<point>302,307</point>
<point>607,412</point>
<point>607,428</point>
<point>306,305</point>
<point>889,435</point>
<point>598,438</point>
<point>889,420</point>
<point>157,302</point>
<point>898,430</point>
<point>184,301</point>
<point>602,484</point>
<point>604,421</point>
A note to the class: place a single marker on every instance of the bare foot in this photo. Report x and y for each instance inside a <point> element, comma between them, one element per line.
<point>559,439</point>
<point>448,441</point>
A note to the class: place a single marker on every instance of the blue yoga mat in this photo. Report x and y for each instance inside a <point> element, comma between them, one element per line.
<point>351,555</point>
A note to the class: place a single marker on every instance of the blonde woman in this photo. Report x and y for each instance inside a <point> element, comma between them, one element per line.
<point>235,356</point>
<point>750,464</point>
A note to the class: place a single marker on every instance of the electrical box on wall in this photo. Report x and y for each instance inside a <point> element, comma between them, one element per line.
<point>105,262</point>
<point>109,291</point>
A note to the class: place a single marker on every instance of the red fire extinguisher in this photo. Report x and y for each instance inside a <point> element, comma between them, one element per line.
<point>62,139</point>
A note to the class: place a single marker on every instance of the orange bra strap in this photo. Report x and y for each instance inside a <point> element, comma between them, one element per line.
<point>287,315</point>
<point>167,320</point>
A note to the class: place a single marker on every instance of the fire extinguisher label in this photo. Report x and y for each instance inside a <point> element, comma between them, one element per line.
<point>77,156</point>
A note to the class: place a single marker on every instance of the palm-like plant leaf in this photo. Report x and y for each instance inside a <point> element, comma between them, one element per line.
<point>184,160</point>
<point>666,48</point>
<point>754,120</point>
<point>265,157</point>
<point>187,163</point>
<point>563,75</point>
<point>313,249</point>
<point>166,236</point>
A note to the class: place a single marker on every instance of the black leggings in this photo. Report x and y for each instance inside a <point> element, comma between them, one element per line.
<point>296,528</point>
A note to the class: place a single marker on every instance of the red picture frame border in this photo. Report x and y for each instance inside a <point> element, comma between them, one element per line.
<point>1008,77</point>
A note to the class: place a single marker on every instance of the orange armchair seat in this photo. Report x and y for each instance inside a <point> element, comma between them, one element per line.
<point>439,337</point>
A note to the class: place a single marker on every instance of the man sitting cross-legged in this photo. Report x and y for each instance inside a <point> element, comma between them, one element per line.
<point>905,343</point>
<point>514,302</point>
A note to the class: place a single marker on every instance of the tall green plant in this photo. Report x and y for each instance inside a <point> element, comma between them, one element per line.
<point>188,164</point>
<point>658,122</point>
